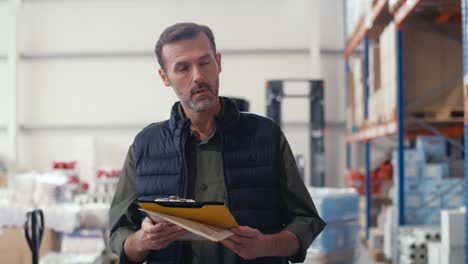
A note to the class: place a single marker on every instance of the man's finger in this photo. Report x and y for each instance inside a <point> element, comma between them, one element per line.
<point>156,228</point>
<point>170,238</point>
<point>237,239</point>
<point>245,231</point>
<point>232,245</point>
<point>168,230</point>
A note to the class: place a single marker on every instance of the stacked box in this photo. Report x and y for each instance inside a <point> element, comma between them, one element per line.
<point>336,204</point>
<point>358,95</point>
<point>378,204</point>
<point>339,209</point>
<point>428,188</point>
<point>388,69</point>
<point>436,170</point>
<point>374,69</point>
<point>434,147</point>
<point>421,75</point>
<point>433,252</point>
<point>453,236</point>
<point>457,168</point>
<point>413,245</point>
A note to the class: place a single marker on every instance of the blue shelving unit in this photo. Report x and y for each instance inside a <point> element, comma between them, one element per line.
<point>465,82</point>
<point>396,127</point>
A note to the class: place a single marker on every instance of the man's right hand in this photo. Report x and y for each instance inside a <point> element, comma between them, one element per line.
<point>151,236</point>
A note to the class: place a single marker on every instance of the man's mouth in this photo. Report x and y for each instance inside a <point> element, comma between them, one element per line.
<point>200,91</point>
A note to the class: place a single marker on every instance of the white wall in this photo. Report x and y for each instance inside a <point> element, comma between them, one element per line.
<point>333,72</point>
<point>70,89</point>
<point>4,92</point>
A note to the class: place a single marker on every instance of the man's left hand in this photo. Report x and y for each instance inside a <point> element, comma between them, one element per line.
<point>248,243</point>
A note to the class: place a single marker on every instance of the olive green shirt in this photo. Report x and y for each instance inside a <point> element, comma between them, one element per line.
<point>207,184</point>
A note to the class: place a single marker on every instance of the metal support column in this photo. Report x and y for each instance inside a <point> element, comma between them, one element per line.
<point>401,130</point>
<point>367,143</point>
<point>13,85</point>
<point>348,156</point>
<point>399,201</point>
<point>465,93</point>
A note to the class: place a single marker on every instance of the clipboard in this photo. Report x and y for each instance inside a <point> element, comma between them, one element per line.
<point>210,213</point>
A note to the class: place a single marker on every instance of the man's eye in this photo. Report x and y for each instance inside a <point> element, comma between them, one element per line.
<point>182,68</point>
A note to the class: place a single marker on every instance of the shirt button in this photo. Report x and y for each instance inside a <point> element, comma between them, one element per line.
<point>203,187</point>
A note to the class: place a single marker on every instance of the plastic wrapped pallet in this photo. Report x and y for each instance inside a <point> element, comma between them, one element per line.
<point>339,209</point>
<point>62,217</point>
<point>336,204</point>
<point>336,237</point>
<point>51,189</point>
<point>24,186</point>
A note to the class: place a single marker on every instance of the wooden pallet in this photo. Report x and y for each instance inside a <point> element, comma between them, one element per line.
<point>439,115</point>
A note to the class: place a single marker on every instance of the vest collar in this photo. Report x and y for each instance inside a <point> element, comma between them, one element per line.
<point>227,119</point>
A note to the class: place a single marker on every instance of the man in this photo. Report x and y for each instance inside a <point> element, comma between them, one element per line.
<point>209,151</point>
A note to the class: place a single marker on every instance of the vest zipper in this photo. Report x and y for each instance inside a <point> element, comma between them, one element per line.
<point>228,197</point>
<point>184,187</point>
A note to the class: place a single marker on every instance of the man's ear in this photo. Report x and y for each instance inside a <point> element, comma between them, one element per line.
<point>218,61</point>
<point>164,78</point>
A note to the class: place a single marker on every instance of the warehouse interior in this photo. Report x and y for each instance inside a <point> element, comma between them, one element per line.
<point>369,94</point>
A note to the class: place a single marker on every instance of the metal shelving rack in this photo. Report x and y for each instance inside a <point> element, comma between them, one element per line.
<point>370,27</point>
<point>465,94</point>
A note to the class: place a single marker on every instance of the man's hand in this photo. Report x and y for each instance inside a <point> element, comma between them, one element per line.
<point>151,236</point>
<point>250,243</point>
<point>247,242</point>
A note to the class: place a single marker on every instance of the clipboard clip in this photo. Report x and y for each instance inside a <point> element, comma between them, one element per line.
<point>174,199</point>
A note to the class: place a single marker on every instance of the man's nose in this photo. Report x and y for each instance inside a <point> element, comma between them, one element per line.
<point>197,74</point>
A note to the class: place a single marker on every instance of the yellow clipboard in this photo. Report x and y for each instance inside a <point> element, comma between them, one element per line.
<point>211,213</point>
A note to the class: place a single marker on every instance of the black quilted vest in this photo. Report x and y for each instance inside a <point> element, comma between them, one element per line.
<point>250,149</point>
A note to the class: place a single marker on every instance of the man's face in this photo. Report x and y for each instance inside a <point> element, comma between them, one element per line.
<point>192,69</point>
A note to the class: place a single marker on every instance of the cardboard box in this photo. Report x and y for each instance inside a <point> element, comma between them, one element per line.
<point>434,146</point>
<point>452,185</point>
<point>431,200</point>
<point>421,75</point>
<point>436,170</point>
<point>413,170</point>
<point>374,69</point>
<point>413,186</point>
<point>423,216</point>
<point>14,248</point>
<point>431,185</point>
<point>412,156</point>
<point>453,200</point>
<point>413,200</point>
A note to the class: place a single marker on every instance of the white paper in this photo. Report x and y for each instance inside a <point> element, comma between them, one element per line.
<point>201,231</point>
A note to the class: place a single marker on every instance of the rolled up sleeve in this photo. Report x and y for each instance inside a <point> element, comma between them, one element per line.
<point>299,212</point>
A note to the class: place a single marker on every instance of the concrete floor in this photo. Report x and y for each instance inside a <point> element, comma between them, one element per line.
<point>361,257</point>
